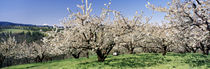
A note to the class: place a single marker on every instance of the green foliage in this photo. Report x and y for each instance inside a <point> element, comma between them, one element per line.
<point>127,61</point>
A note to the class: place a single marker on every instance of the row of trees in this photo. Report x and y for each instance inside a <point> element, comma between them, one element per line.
<point>190,18</point>
<point>13,52</point>
<point>186,30</point>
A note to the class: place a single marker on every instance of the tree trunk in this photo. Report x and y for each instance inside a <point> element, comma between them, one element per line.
<point>164,53</point>
<point>1,60</point>
<point>203,48</point>
<point>39,59</point>
<point>194,51</point>
<point>164,50</point>
<point>76,55</point>
<point>207,50</point>
<point>131,51</point>
<point>27,60</point>
<point>87,54</point>
<point>187,48</point>
<point>100,56</point>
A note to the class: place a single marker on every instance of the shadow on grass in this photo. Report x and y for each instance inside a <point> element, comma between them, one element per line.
<point>196,60</point>
<point>40,64</point>
<point>193,59</point>
<point>32,66</point>
<point>144,60</point>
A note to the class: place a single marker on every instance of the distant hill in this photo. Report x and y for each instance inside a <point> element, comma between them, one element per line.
<point>13,24</point>
<point>3,23</point>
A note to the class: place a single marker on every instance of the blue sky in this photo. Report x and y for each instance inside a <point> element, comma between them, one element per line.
<point>52,11</point>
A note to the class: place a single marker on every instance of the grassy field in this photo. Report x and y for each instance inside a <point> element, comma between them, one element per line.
<point>14,30</point>
<point>127,61</point>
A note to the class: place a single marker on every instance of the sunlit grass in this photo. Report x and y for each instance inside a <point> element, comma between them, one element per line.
<point>14,30</point>
<point>127,61</point>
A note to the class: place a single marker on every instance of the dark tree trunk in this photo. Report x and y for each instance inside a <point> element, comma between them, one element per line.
<point>203,48</point>
<point>207,50</point>
<point>27,60</point>
<point>87,54</point>
<point>144,49</point>
<point>100,56</point>
<point>164,50</point>
<point>39,59</point>
<point>187,48</point>
<point>164,53</point>
<point>103,53</point>
<point>76,56</point>
<point>1,60</point>
<point>131,51</point>
<point>48,58</point>
<point>194,50</point>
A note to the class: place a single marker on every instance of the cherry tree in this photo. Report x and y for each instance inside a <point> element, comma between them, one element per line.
<point>130,32</point>
<point>188,14</point>
<point>83,31</point>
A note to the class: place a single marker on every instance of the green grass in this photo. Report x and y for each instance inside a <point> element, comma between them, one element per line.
<point>14,30</point>
<point>127,61</point>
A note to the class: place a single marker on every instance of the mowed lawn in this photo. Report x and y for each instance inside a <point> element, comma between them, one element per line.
<point>14,30</point>
<point>127,61</point>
